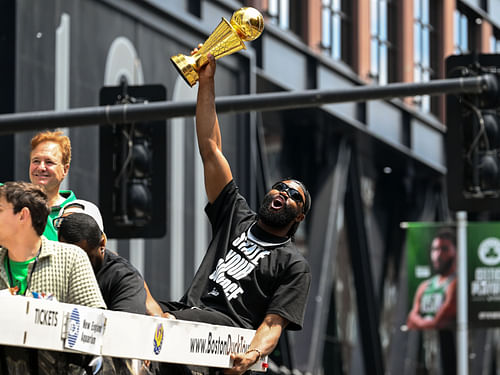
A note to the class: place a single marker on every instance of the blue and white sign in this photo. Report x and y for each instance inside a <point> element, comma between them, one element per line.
<point>73,328</point>
<point>85,329</point>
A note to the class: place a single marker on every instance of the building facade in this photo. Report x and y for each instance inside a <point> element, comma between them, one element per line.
<point>369,165</point>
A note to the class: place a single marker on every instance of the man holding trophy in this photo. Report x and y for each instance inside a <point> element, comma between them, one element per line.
<point>252,275</point>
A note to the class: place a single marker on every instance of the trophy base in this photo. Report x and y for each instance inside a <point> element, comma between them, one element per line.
<point>186,69</point>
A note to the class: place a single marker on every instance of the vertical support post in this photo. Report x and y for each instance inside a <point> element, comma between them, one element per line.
<point>368,307</point>
<point>137,254</point>
<point>8,39</point>
<point>325,282</point>
<point>462,313</point>
<point>177,167</point>
<point>62,72</point>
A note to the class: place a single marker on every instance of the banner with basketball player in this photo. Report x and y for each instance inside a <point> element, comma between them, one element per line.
<point>432,277</point>
<point>432,281</point>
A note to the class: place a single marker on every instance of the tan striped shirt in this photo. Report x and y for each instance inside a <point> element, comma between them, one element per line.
<point>63,270</point>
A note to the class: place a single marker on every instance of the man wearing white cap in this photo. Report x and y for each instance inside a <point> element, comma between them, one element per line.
<point>84,207</point>
<point>80,223</point>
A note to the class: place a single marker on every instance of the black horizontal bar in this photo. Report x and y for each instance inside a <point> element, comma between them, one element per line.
<point>124,113</point>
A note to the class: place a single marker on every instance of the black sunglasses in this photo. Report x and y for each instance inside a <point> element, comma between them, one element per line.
<point>292,193</point>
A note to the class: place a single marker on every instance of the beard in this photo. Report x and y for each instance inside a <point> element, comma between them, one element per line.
<point>445,266</point>
<point>273,218</point>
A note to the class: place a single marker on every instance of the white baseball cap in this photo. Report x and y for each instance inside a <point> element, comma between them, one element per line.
<point>83,207</point>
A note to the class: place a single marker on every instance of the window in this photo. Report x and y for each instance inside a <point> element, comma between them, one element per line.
<point>460,33</point>
<point>423,37</point>
<point>286,14</point>
<point>381,49</point>
<point>467,30</point>
<point>194,7</point>
<point>495,42</point>
<point>336,29</point>
<point>279,13</point>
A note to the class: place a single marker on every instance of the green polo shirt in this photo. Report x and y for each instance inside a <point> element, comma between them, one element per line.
<point>50,232</point>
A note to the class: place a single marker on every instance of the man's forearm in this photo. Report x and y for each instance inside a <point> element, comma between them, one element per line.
<point>207,125</point>
<point>265,340</point>
<point>216,167</point>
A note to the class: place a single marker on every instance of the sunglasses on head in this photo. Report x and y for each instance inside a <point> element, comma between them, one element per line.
<point>58,221</point>
<point>292,193</point>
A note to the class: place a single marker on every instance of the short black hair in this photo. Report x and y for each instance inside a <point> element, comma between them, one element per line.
<point>307,203</point>
<point>447,234</point>
<point>78,227</point>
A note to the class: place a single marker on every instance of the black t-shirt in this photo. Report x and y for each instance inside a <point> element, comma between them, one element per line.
<point>122,286</point>
<point>247,272</point>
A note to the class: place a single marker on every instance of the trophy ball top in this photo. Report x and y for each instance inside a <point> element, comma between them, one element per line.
<point>248,22</point>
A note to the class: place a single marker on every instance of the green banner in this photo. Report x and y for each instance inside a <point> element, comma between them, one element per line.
<point>432,285</point>
<point>431,261</point>
<point>483,273</point>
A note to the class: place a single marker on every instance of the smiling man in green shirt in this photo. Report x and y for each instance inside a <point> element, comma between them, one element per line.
<point>50,158</point>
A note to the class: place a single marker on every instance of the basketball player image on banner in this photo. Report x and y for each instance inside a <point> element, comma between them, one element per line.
<point>434,302</point>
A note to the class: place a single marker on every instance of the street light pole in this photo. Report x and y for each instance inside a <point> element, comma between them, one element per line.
<point>125,113</point>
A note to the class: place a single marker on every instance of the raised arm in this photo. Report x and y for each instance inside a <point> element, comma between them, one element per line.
<point>216,167</point>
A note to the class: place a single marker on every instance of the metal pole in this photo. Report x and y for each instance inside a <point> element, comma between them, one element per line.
<point>125,113</point>
<point>462,313</point>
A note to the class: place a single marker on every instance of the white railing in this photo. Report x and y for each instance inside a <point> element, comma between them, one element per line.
<point>43,324</point>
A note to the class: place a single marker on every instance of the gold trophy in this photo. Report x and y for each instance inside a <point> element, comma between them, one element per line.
<point>246,25</point>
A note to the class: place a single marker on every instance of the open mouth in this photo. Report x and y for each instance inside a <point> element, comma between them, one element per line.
<point>278,202</point>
